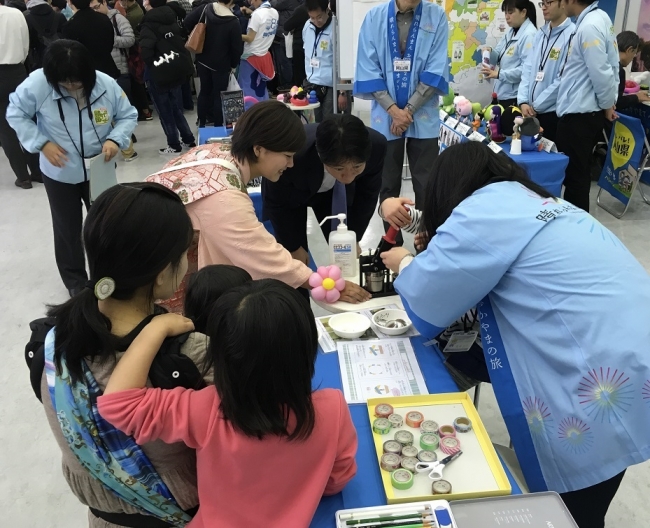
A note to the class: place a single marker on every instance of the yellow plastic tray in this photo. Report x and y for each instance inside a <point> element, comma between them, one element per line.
<point>480,458</point>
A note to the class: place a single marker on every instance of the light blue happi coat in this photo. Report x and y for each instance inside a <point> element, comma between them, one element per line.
<point>565,311</point>
<point>374,69</point>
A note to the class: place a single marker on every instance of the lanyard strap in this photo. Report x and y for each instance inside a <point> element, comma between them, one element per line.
<point>566,58</point>
<point>578,22</point>
<point>547,50</point>
<point>505,49</point>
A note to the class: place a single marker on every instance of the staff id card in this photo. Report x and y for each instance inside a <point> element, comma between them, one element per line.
<point>540,76</point>
<point>315,63</point>
<point>402,65</point>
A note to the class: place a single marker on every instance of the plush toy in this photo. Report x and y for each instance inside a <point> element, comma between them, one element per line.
<point>494,125</point>
<point>294,90</point>
<point>448,102</point>
<point>327,284</point>
<point>508,117</point>
<point>249,101</point>
<point>631,87</point>
<point>478,119</point>
<point>531,133</point>
<point>299,98</point>
<point>463,109</point>
<point>516,134</point>
<point>313,98</point>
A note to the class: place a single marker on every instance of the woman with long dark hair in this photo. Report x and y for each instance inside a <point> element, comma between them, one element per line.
<point>79,113</point>
<point>508,58</point>
<point>132,262</point>
<point>563,308</point>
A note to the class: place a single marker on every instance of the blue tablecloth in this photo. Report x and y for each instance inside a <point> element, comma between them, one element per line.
<point>366,488</point>
<point>544,168</point>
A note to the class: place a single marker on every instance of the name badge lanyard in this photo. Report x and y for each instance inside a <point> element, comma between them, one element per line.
<point>81,137</point>
<point>505,49</point>
<point>582,17</point>
<point>546,53</point>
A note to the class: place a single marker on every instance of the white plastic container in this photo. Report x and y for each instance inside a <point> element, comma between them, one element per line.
<point>343,248</point>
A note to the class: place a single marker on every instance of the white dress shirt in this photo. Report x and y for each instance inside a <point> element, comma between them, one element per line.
<point>14,36</point>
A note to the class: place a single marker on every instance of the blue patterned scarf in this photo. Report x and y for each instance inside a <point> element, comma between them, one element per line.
<point>108,454</point>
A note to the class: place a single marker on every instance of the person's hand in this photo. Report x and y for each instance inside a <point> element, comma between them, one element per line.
<point>489,72</point>
<point>395,213</point>
<point>354,294</point>
<point>421,241</point>
<point>643,96</point>
<point>302,255</point>
<point>610,114</point>
<point>342,102</point>
<point>393,258</point>
<point>486,48</point>
<point>245,10</point>
<point>54,154</point>
<point>401,120</point>
<point>527,111</point>
<point>170,325</point>
<point>110,150</point>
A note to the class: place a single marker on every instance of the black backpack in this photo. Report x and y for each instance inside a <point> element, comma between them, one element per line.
<point>173,64</point>
<point>45,37</point>
<point>170,368</point>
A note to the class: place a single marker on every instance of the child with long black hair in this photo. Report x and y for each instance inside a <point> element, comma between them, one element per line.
<point>268,447</point>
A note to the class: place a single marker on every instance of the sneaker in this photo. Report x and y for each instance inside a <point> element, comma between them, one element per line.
<point>23,184</point>
<point>134,157</point>
<point>171,150</point>
<point>146,116</point>
<point>188,145</point>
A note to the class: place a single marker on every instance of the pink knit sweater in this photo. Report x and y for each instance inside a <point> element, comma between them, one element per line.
<point>243,481</point>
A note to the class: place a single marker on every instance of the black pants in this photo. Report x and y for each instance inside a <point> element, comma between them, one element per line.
<point>298,64</point>
<point>421,155</point>
<point>506,103</point>
<point>138,96</point>
<point>11,75</point>
<point>67,216</point>
<point>209,99</point>
<point>588,506</point>
<point>577,135</point>
<point>548,122</point>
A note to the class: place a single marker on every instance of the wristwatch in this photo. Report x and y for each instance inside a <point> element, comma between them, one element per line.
<point>410,108</point>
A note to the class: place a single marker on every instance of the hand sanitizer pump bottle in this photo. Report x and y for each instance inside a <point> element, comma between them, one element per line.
<point>343,247</point>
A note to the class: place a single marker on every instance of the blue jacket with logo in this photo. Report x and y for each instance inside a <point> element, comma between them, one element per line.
<point>510,54</point>
<point>318,48</point>
<point>59,120</point>
<point>589,82</point>
<point>550,47</point>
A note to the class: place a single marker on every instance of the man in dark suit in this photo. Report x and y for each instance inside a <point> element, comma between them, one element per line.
<point>95,31</point>
<point>338,170</point>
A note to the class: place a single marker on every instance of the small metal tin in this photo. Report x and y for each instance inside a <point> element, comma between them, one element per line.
<point>409,463</point>
<point>390,462</point>
<point>414,419</point>
<point>429,426</point>
<point>446,430</point>
<point>396,420</point>
<point>404,437</point>
<point>383,410</point>
<point>429,442</point>
<point>401,479</point>
<point>441,487</point>
<point>449,445</point>
<point>427,456</point>
<point>409,451</point>
<point>391,446</point>
<point>381,426</point>
<point>463,424</point>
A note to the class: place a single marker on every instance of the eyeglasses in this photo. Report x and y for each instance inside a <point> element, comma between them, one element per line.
<point>96,7</point>
<point>547,3</point>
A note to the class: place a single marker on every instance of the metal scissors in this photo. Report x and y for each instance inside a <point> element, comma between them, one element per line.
<point>436,467</point>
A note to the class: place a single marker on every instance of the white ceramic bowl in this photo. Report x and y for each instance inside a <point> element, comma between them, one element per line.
<point>349,325</point>
<point>385,316</point>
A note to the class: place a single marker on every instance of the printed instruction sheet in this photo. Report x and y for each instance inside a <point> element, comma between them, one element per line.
<point>375,368</point>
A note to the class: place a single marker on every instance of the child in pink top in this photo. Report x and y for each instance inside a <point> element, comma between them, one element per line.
<point>267,447</point>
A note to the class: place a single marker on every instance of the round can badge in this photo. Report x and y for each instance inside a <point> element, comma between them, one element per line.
<point>392,447</point>
<point>390,462</point>
<point>405,438</point>
<point>401,479</point>
<point>429,442</point>
<point>429,426</point>
<point>381,426</point>
<point>449,445</point>
<point>383,410</point>
<point>409,463</point>
<point>396,420</point>
<point>463,424</point>
<point>427,456</point>
<point>414,419</point>
<point>446,430</point>
<point>441,487</point>
<point>409,451</point>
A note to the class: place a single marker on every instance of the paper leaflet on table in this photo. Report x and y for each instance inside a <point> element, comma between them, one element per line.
<point>328,338</point>
<point>381,367</point>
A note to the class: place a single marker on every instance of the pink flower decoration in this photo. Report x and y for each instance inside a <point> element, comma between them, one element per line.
<point>327,284</point>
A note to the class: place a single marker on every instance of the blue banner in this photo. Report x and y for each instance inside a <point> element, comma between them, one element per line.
<point>641,112</point>
<point>626,143</point>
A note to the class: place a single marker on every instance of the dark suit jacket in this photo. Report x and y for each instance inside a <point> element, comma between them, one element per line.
<point>285,202</point>
<point>95,31</point>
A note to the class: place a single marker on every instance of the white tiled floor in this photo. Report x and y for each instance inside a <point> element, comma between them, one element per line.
<point>33,491</point>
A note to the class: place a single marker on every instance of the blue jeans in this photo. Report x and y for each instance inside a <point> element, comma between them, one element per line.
<point>171,116</point>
